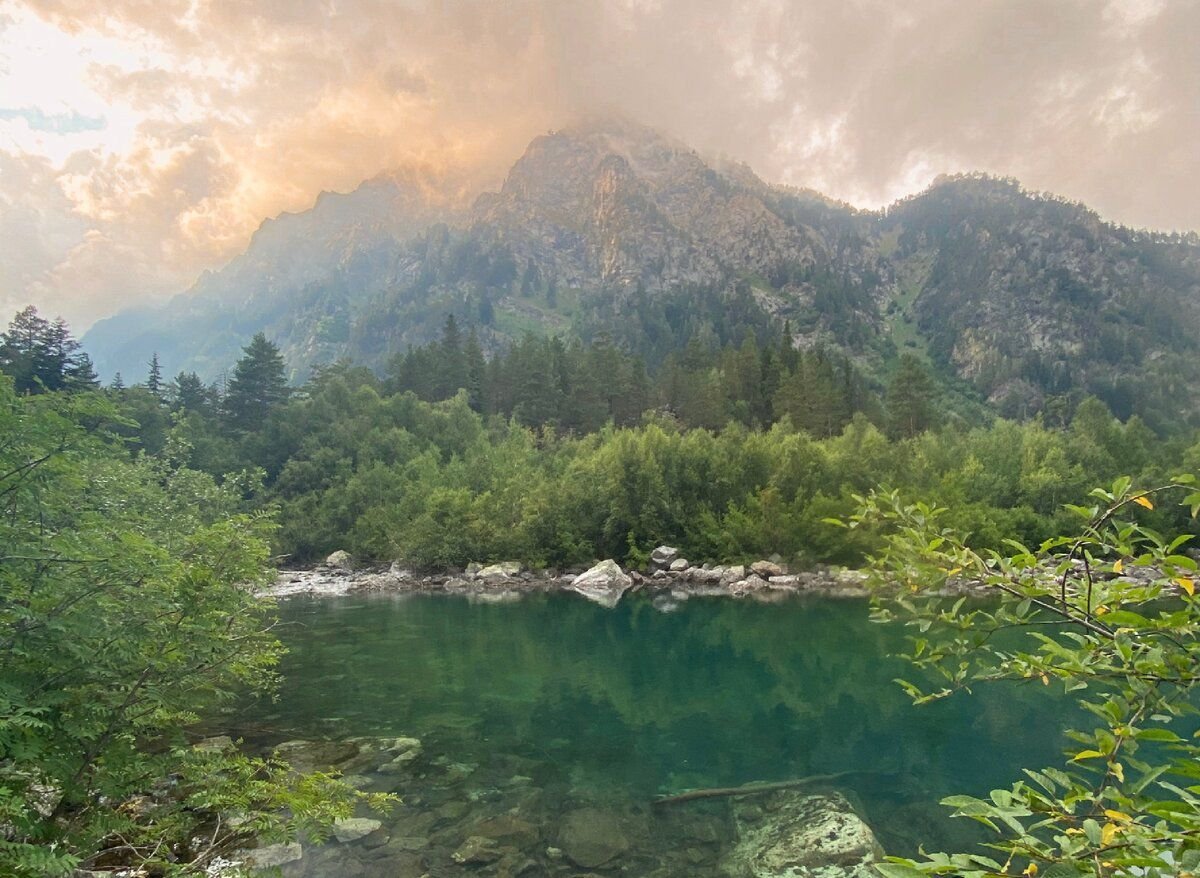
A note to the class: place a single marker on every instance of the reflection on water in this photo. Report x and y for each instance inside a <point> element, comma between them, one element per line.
<point>618,706</point>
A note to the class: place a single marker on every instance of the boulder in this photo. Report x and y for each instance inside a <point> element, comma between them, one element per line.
<point>307,756</point>
<point>802,835</point>
<point>604,583</point>
<point>590,837</point>
<point>679,565</point>
<point>749,585</point>
<point>663,556</point>
<point>477,851</point>
<point>402,751</point>
<point>272,856</point>
<point>353,828</point>
<point>766,569</point>
<point>501,570</point>
<point>340,560</point>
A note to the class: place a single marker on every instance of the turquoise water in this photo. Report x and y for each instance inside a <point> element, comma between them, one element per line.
<point>587,705</point>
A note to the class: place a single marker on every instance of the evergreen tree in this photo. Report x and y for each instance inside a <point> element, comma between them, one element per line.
<point>43,356</point>
<point>118,383</point>
<point>257,385</point>
<point>910,398</point>
<point>154,381</point>
<point>189,393</point>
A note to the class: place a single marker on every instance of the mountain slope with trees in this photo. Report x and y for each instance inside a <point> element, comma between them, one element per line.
<point>1020,303</point>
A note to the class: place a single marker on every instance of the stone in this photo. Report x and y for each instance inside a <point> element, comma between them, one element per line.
<point>502,570</point>
<point>477,851</point>
<point>507,828</point>
<point>604,584</point>
<point>679,565</point>
<point>802,835</point>
<point>340,560</point>
<point>353,828</point>
<point>273,855</point>
<point>766,569</point>
<point>663,556</point>
<point>216,744</point>
<point>749,585</point>
<point>306,756</point>
<point>590,837</point>
<point>403,751</point>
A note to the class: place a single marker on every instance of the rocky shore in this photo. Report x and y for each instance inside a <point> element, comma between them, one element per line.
<point>669,580</point>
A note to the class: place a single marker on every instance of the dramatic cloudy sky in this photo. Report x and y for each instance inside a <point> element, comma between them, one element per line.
<point>142,141</point>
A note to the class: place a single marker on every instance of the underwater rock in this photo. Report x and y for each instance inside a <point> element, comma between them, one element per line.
<point>403,751</point>
<point>802,835</point>
<point>308,756</point>
<point>353,828</point>
<point>273,855</point>
<point>590,837</point>
<point>507,828</point>
<point>477,850</point>
<point>604,583</point>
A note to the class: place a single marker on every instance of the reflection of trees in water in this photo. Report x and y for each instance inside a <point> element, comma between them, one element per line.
<point>718,692</point>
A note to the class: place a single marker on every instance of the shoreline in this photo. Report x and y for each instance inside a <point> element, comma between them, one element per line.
<point>509,581</point>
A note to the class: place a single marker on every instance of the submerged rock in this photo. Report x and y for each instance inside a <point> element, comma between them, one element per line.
<point>354,828</point>
<point>590,837</point>
<point>802,835</point>
<point>604,583</point>
<point>477,851</point>
<point>273,855</point>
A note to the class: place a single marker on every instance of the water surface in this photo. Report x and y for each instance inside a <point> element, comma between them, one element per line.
<point>586,706</point>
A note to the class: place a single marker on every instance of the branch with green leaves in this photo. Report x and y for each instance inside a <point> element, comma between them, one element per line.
<point>1108,614</point>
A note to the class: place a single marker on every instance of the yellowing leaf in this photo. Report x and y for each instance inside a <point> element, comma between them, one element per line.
<point>955,570</point>
<point>1118,566</point>
<point>1101,610</point>
<point>1119,770</point>
<point>1143,501</point>
<point>1045,680</point>
<point>1108,833</point>
<point>1087,754</point>
<point>1030,870</point>
<point>1186,584</point>
<point>1118,816</point>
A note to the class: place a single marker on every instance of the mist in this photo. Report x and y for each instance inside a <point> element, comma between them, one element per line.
<point>141,143</point>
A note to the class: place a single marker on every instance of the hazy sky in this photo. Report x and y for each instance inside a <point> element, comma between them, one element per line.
<point>142,141</point>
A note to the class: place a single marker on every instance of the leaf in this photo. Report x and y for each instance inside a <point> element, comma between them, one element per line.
<point>1087,754</point>
<point>1118,816</point>
<point>1119,770</point>
<point>898,870</point>
<point>1107,834</point>
<point>1187,585</point>
<point>1118,566</point>
<point>1143,501</point>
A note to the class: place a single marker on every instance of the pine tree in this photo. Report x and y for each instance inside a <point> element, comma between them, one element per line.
<point>910,398</point>
<point>154,378</point>
<point>43,356</point>
<point>190,394</point>
<point>257,385</point>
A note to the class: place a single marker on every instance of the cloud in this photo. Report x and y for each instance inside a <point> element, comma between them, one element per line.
<point>153,136</point>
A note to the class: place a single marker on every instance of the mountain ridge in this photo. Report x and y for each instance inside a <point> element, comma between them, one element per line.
<point>1023,296</point>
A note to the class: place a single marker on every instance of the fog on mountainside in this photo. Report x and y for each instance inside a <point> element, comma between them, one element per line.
<point>597,227</point>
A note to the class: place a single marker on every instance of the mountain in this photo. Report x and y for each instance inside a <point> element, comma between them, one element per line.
<point>1025,301</point>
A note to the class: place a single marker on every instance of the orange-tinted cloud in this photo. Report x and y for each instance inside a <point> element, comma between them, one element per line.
<point>219,113</point>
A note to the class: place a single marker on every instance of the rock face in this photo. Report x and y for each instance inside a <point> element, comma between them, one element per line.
<point>806,836</point>
<point>590,837</point>
<point>604,583</point>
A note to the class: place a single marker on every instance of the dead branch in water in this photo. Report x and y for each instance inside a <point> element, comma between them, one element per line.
<point>751,789</point>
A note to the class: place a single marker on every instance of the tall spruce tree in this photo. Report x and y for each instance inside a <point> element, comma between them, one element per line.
<point>257,386</point>
<point>154,382</point>
<point>41,355</point>
<point>910,398</point>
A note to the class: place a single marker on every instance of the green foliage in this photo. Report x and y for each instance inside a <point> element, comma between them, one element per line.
<point>257,386</point>
<point>126,614</point>
<point>41,356</point>
<point>1110,614</point>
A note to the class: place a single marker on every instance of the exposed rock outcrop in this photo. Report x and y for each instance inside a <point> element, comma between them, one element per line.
<point>604,583</point>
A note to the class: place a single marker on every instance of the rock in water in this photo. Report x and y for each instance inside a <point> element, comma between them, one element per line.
<point>591,838</point>
<point>604,583</point>
<point>809,835</point>
<point>354,828</point>
<point>663,556</point>
<point>339,560</point>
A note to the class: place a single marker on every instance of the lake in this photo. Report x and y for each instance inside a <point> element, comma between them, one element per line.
<point>536,708</point>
